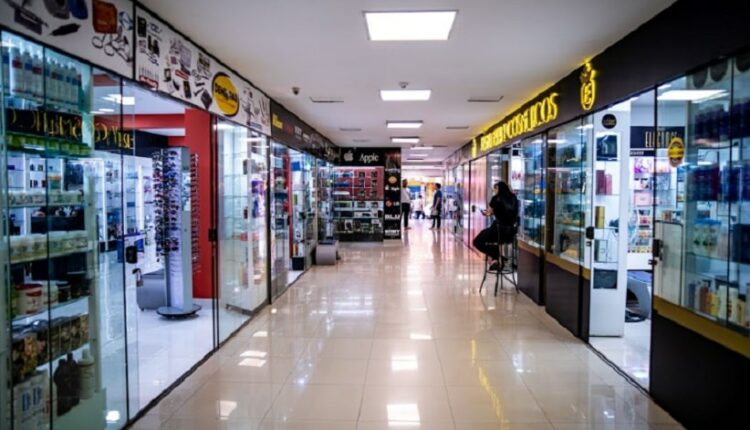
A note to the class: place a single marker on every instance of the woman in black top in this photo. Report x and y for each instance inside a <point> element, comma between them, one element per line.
<point>504,206</point>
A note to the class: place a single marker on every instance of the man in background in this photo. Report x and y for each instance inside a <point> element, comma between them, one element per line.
<point>405,203</point>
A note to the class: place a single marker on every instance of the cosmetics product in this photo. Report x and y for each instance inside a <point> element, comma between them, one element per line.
<point>16,75</point>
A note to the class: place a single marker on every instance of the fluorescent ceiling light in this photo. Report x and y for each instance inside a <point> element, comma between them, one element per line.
<point>224,126</point>
<point>117,98</point>
<point>409,26</point>
<point>106,110</point>
<point>256,139</point>
<point>421,148</point>
<point>585,127</point>
<point>405,95</point>
<point>690,95</point>
<point>405,140</point>
<point>403,124</point>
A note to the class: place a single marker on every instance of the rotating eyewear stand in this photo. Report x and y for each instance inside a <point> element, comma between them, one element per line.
<point>176,187</point>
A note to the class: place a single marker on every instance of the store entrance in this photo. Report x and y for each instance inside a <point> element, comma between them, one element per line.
<point>624,182</point>
<point>150,203</point>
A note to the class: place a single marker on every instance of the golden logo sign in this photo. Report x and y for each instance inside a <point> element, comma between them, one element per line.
<point>676,151</point>
<point>225,94</point>
<point>539,113</point>
<point>473,147</point>
<point>588,86</point>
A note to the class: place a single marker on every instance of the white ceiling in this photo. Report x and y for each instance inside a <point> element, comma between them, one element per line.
<point>509,48</point>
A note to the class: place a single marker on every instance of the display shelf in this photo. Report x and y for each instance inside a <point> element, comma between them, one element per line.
<point>29,318</point>
<point>49,256</point>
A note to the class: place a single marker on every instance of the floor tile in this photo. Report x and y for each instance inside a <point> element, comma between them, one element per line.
<point>405,405</point>
<point>317,403</point>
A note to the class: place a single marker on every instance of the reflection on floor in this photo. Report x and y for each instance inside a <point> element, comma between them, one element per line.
<point>396,335</point>
<point>630,352</point>
<point>292,275</point>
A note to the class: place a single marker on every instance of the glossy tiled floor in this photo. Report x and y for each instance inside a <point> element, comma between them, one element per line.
<point>397,336</point>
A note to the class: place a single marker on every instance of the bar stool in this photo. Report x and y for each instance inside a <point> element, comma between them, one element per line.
<point>507,270</point>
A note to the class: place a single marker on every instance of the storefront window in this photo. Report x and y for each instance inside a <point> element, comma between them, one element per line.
<point>531,194</point>
<point>61,308</point>
<point>568,146</point>
<point>280,218</point>
<point>704,236</point>
<point>325,200</point>
<point>242,224</point>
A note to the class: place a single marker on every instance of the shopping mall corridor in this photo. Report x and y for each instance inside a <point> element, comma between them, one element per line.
<point>398,336</point>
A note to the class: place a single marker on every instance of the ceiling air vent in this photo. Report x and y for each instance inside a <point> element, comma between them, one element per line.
<point>350,129</point>
<point>457,127</point>
<point>485,99</point>
<point>360,140</point>
<point>326,100</point>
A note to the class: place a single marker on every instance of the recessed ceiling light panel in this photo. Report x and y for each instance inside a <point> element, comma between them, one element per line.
<point>409,26</point>
<point>403,124</point>
<point>405,140</point>
<point>405,95</point>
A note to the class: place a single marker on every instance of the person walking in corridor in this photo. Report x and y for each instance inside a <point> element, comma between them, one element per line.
<point>405,203</point>
<point>437,208</point>
<point>419,207</point>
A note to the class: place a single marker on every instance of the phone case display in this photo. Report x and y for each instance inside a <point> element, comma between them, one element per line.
<point>173,215</point>
<point>568,181</point>
<point>325,201</point>
<point>531,194</point>
<point>304,222</point>
<point>358,202</point>
<point>50,349</point>
<point>714,166</point>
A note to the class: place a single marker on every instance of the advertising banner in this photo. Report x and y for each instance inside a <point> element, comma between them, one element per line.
<point>167,62</point>
<point>96,30</point>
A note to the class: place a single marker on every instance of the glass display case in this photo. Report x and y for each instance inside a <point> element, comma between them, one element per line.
<point>280,218</point>
<point>50,342</point>
<point>704,228</point>
<point>531,194</point>
<point>358,195</point>
<point>568,147</point>
<point>243,171</point>
<point>325,200</point>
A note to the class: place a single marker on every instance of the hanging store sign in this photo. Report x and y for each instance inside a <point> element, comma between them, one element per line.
<point>609,121</point>
<point>95,30</point>
<point>676,151</point>
<point>588,86</point>
<point>539,113</point>
<point>167,62</point>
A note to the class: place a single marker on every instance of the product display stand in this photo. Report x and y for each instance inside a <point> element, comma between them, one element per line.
<point>176,245</point>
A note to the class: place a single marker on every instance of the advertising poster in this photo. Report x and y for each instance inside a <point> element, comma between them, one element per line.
<point>169,63</point>
<point>644,141</point>
<point>95,30</point>
<point>392,211</point>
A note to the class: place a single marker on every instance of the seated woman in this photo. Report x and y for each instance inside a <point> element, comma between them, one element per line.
<point>504,207</point>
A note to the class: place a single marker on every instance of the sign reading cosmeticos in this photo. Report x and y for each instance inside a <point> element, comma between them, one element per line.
<point>539,113</point>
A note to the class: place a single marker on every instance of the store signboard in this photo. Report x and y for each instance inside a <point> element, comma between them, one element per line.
<point>644,141</point>
<point>167,62</point>
<point>44,123</point>
<point>95,30</point>
<point>293,132</point>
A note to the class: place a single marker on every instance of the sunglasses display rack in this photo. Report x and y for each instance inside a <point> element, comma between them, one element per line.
<point>172,214</point>
<point>358,196</point>
<point>50,350</point>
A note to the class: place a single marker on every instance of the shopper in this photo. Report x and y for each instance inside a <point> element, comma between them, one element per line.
<point>405,203</point>
<point>437,207</point>
<point>459,208</point>
<point>419,207</point>
<point>504,207</point>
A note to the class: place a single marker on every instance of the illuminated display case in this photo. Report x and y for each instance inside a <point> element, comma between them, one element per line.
<point>704,229</point>
<point>49,306</point>
<point>358,203</point>
<point>531,194</point>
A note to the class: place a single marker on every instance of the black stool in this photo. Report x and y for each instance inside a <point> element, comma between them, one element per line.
<point>507,269</point>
